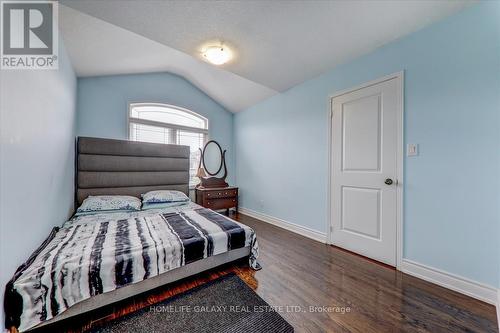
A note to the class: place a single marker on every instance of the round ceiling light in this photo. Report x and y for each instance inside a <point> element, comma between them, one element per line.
<point>217,55</point>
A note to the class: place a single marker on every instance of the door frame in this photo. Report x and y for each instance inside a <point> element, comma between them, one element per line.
<point>399,76</point>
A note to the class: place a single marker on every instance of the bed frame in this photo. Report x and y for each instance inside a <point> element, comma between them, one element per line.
<point>106,166</point>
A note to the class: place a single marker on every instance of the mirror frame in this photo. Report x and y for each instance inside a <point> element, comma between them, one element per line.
<point>221,158</point>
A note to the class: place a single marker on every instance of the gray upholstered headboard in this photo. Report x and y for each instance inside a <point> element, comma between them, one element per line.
<point>106,166</point>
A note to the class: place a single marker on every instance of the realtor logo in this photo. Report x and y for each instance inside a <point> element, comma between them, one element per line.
<point>29,35</point>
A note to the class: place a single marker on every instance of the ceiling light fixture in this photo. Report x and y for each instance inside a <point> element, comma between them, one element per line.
<point>217,55</point>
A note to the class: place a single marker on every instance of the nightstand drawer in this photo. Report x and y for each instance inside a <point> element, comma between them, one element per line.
<point>221,203</point>
<point>217,198</point>
<point>221,194</point>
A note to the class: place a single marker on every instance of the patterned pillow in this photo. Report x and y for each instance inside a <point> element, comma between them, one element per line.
<point>164,196</point>
<point>104,203</point>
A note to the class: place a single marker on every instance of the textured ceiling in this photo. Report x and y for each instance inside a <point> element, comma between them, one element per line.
<point>100,48</point>
<point>278,44</point>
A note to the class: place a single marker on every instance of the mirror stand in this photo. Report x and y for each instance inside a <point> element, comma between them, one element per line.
<point>212,181</point>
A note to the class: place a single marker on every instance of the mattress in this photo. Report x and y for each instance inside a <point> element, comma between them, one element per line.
<point>98,254</point>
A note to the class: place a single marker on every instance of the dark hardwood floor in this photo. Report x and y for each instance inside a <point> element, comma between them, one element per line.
<point>300,272</point>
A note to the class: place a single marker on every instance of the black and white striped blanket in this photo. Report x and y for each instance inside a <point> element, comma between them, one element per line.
<point>94,256</point>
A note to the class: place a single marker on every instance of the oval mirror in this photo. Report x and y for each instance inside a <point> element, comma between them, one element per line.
<point>212,158</point>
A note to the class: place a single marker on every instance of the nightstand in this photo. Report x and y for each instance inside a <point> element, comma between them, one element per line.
<point>217,198</point>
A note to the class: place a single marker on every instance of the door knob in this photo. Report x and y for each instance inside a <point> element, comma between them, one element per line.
<point>388,181</point>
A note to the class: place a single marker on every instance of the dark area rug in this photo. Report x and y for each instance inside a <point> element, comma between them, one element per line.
<point>223,305</point>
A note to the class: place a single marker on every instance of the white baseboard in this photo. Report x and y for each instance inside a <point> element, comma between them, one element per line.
<point>498,310</point>
<point>298,229</point>
<point>451,281</point>
<point>457,283</point>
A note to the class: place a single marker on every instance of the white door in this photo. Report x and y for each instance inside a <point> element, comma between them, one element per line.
<point>364,170</point>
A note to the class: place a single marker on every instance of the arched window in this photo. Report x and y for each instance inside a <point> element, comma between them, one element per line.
<point>162,123</point>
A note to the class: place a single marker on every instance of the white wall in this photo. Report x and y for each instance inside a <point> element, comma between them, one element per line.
<point>37,133</point>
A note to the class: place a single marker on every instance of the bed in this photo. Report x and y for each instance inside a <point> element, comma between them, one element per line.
<point>95,260</point>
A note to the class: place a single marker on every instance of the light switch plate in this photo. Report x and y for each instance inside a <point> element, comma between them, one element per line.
<point>411,149</point>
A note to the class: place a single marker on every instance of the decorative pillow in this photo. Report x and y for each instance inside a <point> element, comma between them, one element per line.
<point>164,196</point>
<point>161,205</point>
<point>107,203</point>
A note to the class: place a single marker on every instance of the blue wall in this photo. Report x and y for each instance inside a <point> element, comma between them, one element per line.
<point>452,110</point>
<point>103,105</point>
<point>37,142</point>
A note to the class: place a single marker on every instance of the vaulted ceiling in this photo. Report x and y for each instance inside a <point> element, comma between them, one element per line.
<point>278,44</point>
